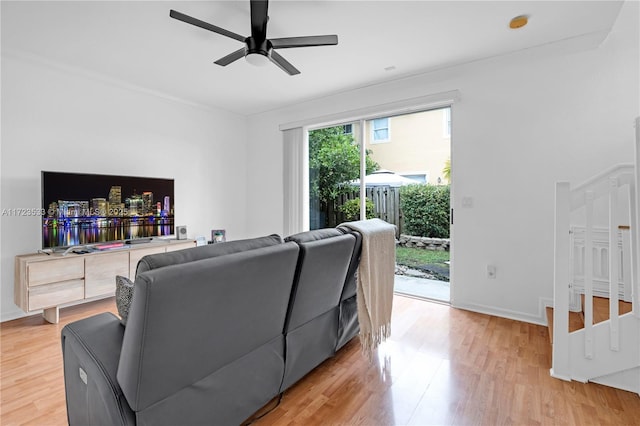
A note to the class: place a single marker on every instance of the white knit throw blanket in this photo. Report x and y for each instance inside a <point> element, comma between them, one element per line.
<point>375,281</point>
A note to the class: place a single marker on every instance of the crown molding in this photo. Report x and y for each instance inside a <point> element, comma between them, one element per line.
<point>84,73</point>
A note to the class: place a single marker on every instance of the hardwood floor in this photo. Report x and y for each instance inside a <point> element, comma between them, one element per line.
<point>441,366</point>
<point>31,380</point>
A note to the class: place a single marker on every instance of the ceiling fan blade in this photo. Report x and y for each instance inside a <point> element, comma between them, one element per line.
<point>308,41</point>
<point>259,18</point>
<point>281,62</point>
<point>231,57</point>
<point>198,23</point>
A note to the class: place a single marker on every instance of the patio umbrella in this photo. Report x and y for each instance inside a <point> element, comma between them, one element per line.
<point>384,178</point>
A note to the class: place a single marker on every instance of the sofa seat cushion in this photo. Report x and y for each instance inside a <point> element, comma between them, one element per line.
<point>161,260</point>
<point>91,354</point>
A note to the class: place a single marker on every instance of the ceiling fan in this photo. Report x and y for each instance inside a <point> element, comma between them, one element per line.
<point>258,49</point>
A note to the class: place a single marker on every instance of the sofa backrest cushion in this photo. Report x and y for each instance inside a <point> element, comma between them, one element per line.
<point>350,285</point>
<point>315,235</point>
<point>321,273</point>
<point>160,260</point>
<point>189,320</point>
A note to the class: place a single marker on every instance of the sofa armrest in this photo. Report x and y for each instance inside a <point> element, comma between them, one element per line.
<point>91,353</point>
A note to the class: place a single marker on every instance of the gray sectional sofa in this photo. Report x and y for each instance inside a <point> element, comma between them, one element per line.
<point>214,332</point>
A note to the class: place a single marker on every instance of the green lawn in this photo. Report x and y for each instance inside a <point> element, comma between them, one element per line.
<point>431,262</point>
<point>414,257</point>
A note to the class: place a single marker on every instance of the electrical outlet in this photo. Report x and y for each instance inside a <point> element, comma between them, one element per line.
<point>491,272</point>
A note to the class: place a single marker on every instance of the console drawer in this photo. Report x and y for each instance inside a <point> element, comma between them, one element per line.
<point>47,295</point>
<point>47,271</point>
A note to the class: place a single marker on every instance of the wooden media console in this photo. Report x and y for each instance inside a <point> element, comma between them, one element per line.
<point>46,281</point>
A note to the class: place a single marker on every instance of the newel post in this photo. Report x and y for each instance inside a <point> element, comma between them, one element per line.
<point>560,356</point>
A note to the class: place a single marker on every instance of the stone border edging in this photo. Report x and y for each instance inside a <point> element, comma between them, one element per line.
<point>425,243</point>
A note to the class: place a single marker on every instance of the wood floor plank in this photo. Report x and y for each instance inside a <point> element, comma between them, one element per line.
<point>441,366</point>
<point>31,379</point>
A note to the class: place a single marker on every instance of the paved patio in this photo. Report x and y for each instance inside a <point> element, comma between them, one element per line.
<point>422,287</point>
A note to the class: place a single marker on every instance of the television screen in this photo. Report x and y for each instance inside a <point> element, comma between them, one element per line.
<point>82,209</point>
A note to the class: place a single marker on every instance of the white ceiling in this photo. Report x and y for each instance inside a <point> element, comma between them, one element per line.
<point>139,44</point>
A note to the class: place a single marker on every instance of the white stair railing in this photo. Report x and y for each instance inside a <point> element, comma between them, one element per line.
<point>602,263</point>
<point>614,345</point>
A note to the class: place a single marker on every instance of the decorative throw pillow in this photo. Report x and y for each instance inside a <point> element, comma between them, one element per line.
<point>124,294</point>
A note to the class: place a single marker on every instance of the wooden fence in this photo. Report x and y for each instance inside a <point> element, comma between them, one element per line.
<point>386,204</point>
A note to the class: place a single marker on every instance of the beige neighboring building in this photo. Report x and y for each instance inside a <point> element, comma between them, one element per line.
<point>414,145</point>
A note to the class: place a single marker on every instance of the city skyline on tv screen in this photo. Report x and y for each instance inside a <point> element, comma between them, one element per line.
<point>81,209</point>
<point>85,187</point>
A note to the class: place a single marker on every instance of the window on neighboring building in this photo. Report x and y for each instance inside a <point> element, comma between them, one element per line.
<point>347,129</point>
<point>419,177</point>
<point>380,130</point>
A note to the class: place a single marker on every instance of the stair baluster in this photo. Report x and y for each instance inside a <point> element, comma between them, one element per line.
<point>588,276</point>
<point>614,262</point>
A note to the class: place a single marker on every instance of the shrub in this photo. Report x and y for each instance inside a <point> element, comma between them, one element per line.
<point>334,160</point>
<point>425,210</point>
<point>351,209</point>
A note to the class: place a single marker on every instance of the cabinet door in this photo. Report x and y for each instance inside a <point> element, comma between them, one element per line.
<point>137,254</point>
<point>181,246</point>
<point>101,270</point>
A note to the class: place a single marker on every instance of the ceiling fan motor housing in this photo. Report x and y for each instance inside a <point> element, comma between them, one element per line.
<point>258,47</point>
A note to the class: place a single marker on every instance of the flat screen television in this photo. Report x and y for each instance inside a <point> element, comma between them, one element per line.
<point>85,209</point>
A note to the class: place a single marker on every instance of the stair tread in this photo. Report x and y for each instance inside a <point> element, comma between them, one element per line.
<point>601,308</point>
<point>576,321</point>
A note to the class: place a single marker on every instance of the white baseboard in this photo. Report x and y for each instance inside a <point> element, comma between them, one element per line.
<point>559,376</point>
<point>628,380</point>
<point>543,304</point>
<point>13,314</point>
<point>539,319</point>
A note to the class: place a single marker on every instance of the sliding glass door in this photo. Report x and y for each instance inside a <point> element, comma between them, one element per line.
<point>395,168</point>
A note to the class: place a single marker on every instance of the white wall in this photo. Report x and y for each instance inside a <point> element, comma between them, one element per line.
<point>58,119</point>
<point>524,122</point>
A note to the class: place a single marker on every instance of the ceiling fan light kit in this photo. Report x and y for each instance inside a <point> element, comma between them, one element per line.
<point>257,59</point>
<point>258,49</point>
